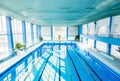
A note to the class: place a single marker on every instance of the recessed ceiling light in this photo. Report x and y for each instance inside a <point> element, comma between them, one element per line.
<point>32,19</point>
<point>24,13</point>
<point>104,3</point>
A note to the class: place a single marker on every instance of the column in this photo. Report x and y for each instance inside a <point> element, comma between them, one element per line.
<point>51,33</point>
<point>95,33</point>
<point>24,32</point>
<point>67,33</point>
<point>109,35</point>
<point>10,35</point>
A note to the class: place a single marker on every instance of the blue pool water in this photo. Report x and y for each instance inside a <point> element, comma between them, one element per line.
<point>58,62</point>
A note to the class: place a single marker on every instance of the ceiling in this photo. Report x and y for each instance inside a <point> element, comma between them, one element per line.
<point>59,12</point>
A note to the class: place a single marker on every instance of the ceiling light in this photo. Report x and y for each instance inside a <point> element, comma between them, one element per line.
<point>24,13</point>
<point>104,3</point>
<point>32,19</point>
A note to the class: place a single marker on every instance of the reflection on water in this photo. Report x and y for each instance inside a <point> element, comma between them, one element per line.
<point>55,67</point>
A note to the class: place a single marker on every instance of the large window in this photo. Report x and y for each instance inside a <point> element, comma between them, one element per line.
<point>17,31</point>
<point>72,32</point>
<point>85,29</point>
<point>28,34</point>
<point>4,52</point>
<point>35,33</point>
<point>59,31</point>
<point>91,28</point>
<point>102,28</point>
<point>116,26</point>
<point>46,33</point>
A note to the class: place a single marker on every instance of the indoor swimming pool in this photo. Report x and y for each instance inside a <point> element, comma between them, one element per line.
<point>59,40</point>
<point>58,61</point>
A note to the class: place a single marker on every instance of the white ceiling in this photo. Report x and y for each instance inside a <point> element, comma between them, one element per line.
<point>59,12</point>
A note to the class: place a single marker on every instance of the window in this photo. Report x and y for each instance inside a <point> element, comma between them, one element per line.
<point>35,33</point>
<point>90,42</point>
<point>101,46</point>
<point>91,28</point>
<point>115,51</point>
<point>59,31</point>
<point>102,28</point>
<point>17,31</point>
<point>46,33</point>
<point>84,29</point>
<point>4,52</point>
<point>28,35</point>
<point>72,32</point>
<point>116,26</point>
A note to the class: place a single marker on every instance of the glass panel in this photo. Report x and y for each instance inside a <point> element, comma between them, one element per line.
<point>29,42</point>
<point>4,52</point>
<point>73,31</point>
<point>101,46</point>
<point>4,30</point>
<point>91,42</point>
<point>35,34</point>
<point>28,35</point>
<point>17,31</point>
<point>116,26</point>
<point>91,28</point>
<point>102,27</point>
<point>0,24</point>
<point>59,31</point>
<point>115,51</point>
<point>46,31</point>
<point>84,29</point>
